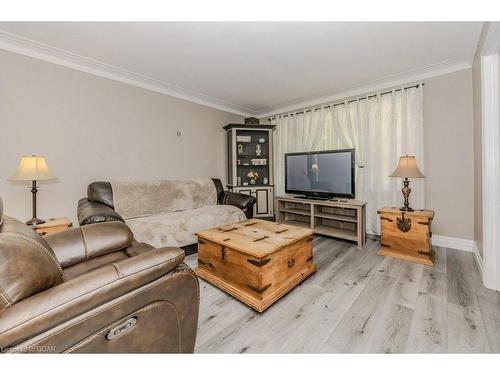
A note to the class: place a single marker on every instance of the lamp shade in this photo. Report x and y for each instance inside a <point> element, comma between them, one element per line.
<point>407,167</point>
<point>32,168</point>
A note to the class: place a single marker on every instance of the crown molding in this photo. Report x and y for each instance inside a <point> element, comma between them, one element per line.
<point>41,51</point>
<point>404,78</point>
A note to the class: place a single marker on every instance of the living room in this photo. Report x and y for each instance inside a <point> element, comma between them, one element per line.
<point>249,187</point>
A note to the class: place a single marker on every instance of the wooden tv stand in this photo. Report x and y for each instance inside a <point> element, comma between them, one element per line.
<point>340,218</point>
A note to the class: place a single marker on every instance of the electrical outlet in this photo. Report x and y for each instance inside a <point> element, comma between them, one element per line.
<point>179,133</point>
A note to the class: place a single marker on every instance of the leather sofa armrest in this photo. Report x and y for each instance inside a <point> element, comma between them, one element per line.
<point>77,296</point>
<point>90,212</point>
<point>242,201</point>
<point>82,243</point>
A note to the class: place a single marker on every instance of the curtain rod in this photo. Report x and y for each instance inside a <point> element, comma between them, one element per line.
<point>348,101</point>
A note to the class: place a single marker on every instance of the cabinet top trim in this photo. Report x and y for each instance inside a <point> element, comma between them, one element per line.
<point>249,127</point>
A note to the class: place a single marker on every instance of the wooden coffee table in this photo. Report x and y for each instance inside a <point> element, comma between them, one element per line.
<point>255,261</point>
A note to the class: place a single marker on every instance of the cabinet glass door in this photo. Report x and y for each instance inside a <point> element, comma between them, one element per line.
<point>252,157</point>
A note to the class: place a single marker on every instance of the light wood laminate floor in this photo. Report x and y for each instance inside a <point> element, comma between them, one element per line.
<point>359,301</point>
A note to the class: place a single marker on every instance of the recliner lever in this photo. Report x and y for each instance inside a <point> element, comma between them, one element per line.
<point>121,329</point>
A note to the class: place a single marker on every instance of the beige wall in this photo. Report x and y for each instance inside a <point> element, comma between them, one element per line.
<point>91,128</point>
<point>449,154</point>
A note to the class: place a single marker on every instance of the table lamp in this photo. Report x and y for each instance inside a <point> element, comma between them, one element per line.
<point>33,168</point>
<point>407,168</point>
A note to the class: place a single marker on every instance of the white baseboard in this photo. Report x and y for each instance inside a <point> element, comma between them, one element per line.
<point>454,243</point>
<point>460,244</point>
<point>479,259</point>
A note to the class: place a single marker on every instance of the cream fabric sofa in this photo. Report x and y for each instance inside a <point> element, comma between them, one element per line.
<point>166,212</point>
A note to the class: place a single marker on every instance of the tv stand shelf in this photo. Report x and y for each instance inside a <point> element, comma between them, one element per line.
<point>339,218</point>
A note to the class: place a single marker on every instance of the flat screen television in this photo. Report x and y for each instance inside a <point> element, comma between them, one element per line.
<point>320,174</point>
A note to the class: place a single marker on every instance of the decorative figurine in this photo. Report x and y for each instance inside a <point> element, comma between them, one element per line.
<point>252,177</point>
<point>264,181</point>
<point>258,150</point>
<point>261,140</point>
<point>240,149</point>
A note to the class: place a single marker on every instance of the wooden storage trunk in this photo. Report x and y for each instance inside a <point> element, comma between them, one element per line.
<point>255,261</point>
<point>407,234</point>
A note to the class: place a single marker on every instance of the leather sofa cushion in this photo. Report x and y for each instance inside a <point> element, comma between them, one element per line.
<point>102,192</point>
<point>75,297</point>
<point>27,263</point>
<point>78,269</point>
<point>89,241</point>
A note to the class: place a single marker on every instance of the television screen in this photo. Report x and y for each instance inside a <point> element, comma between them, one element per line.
<point>326,173</point>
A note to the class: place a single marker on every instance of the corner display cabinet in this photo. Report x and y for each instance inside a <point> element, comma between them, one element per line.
<point>250,164</point>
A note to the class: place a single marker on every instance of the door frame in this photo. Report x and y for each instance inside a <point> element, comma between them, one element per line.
<point>490,111</point>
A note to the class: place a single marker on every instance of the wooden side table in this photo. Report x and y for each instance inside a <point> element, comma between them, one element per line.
<point>407,235</point>
<point>53,226</point>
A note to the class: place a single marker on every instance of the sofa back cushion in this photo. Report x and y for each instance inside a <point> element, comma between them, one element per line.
<point>137,199</point>
<point>27,263</point>
<point>100,191</point>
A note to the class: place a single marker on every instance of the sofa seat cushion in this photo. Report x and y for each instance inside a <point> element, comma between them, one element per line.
<point>179,228</point>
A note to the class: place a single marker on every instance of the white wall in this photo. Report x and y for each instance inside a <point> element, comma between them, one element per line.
<point>90,128</point>
<point>478,148</point>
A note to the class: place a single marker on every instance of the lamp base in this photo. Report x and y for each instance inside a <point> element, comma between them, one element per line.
<point>406,190</point>
<point>35,221</point>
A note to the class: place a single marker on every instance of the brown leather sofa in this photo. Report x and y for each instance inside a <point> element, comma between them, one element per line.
<point>93,289</point>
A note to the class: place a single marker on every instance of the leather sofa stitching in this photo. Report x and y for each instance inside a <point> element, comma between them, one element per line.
<point>5,297</point>
<point>26,238</point>
<point>155,265</point>
<point>84,243</point>
<point>117,269</point>
<point>152,285</point>
<point>73,299</point>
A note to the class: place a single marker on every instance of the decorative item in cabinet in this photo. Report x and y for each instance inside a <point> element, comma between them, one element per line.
<point>252,177</point>
<point>251,121</point>
<point>244,138</point>
<point>258,150</point>
<point>258,161</point>
<point>250,164</point>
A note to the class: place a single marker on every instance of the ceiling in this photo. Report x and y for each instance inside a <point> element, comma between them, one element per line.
<point>251,68</point>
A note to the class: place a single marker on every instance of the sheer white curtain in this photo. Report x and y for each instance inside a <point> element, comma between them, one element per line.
<point>303,131</point>
<point>381,128</point>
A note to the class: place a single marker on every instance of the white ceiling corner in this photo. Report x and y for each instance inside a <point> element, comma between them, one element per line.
<point>251,68</point>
